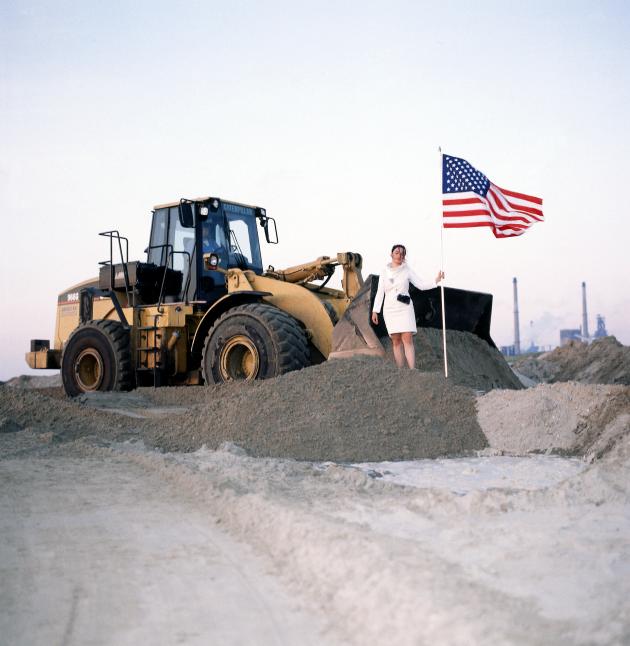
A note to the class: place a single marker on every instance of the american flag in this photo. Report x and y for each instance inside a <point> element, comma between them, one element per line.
<point>470,199</point>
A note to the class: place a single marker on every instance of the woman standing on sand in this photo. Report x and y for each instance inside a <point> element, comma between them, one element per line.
<point>398,312</point>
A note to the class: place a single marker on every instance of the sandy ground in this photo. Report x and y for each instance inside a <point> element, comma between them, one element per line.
<point>264,513</point>
<point>102,551</point>
<point>120,544</point>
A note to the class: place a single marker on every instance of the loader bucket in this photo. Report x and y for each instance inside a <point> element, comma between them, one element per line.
<point>354,334</point>
<point>465,311</point>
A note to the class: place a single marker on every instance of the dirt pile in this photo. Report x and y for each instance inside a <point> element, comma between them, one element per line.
<point>568,418</point>
<point>31,418</point>
<point>352,410</point>
<point>604,361</point>
<point>345,410</point>
<point>471,361</point>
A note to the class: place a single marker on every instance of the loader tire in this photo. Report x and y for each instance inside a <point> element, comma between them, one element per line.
<point>97,356</point>
<point>253,341</point>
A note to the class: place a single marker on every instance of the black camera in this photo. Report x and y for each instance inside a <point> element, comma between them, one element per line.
<point>404,298</point>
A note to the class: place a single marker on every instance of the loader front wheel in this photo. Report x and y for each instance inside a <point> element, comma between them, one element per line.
<point>97,356</point>
<point>253,341</point>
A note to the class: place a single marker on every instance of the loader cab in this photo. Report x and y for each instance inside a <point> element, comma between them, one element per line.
<point>182,232</point>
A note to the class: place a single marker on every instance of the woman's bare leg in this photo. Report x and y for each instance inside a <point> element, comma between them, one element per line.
<point>410,350</point>
<point>397,347</point>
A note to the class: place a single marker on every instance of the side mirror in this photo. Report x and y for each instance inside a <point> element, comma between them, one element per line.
<point>271,235</point>
<point>187,214</point>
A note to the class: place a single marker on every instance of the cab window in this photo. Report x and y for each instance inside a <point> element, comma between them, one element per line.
<point>182,244</point>
<point>159,235</point>
<point>244,245</point>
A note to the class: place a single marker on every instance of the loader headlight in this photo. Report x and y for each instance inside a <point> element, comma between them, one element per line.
<point>211,261</point>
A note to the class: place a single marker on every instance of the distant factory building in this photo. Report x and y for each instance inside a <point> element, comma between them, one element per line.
<point>601,327</point>
<point>570,335</point>
<point>508,351</point>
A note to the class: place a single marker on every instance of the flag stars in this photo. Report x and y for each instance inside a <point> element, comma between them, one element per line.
<point>461,177</point>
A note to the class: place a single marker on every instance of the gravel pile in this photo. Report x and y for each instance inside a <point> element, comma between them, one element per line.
<point>354,410</point>
<point>345,410</point>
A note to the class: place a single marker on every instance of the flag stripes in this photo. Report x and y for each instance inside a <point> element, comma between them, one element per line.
<point>470,200</point>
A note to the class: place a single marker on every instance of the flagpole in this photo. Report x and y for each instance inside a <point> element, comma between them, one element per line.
<point>442,281</point>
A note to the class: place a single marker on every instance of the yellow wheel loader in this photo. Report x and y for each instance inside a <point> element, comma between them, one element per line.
<point>203,309</point>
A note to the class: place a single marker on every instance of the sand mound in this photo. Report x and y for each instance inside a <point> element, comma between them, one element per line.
<point>471,361</point>
<point>354,410</point>
<point>361,409</point>
<point>345,410</point>
<point>570,418</point>
<point>44,410</point>
<point>604,361</point>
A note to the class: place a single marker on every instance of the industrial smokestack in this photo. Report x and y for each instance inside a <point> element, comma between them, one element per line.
<point>584,315</point>
<point>517,333</point>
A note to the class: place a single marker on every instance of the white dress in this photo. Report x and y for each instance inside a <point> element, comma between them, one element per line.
<point>399,317</point>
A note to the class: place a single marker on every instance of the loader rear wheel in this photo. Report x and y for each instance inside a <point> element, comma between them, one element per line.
<point>253,341</point>
<point>97,357</point>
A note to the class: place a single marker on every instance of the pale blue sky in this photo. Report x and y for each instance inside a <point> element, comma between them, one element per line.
<point>330,114</point>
